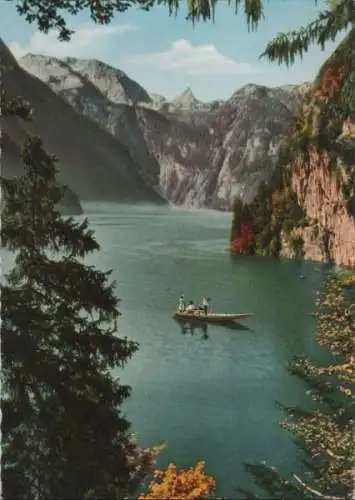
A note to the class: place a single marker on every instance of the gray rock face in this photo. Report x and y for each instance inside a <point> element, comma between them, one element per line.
<point>93,163</point>
<point>196,154</point>
<point>72,74</point>
<point>187,102</point>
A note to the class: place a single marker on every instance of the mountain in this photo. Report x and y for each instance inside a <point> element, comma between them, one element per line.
<point>94,164</point>
<point>285,153</point>
<point>195,154</point>
<point>187,101</point>
<point>12,167</point>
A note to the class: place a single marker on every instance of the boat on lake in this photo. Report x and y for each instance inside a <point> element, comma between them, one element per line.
<point>198,315</point>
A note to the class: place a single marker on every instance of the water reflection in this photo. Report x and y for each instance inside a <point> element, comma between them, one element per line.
<point>192,327</point>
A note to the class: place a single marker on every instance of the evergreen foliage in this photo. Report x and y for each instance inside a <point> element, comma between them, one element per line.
<point>63,435</point>
<point>274,210</point>
<point>326,434</point>
<point>284,48</point>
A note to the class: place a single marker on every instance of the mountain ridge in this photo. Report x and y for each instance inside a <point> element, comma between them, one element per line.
<point>85,150</point>
<point>195,154</point>
<point>91,67</point>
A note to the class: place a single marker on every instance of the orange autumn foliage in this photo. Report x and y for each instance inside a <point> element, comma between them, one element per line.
<point>172,484</point>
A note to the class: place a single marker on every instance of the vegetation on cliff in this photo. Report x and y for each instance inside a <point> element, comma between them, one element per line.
<point>325,126</point>
<point>326,123</point>
<point>324,434</point>
<point>274,210</point>
<point>334,127</point>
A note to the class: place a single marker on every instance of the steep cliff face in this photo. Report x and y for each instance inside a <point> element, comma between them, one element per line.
<point>330,236</point>
<point>196,154</point>
<point>308,209</point>
<point>228,154</point>
<point>324,178</point>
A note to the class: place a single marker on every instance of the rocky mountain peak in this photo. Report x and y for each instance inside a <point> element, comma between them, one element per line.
<point>249,90</point>
<point>52,71</point>
<point>94,67</point>
<point>113,83</point>
<point>186,99</point>
<point>72,72</point>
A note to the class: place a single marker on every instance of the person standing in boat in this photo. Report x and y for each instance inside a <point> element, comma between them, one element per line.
<point>181,304</point>
<point>205,304</point>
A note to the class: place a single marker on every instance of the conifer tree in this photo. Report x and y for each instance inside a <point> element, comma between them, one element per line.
<point>326,434</point>
<point>41,372</point>
<point>63,435</point>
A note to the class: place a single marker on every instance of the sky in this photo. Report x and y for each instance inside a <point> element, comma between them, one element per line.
<point>166,54</point>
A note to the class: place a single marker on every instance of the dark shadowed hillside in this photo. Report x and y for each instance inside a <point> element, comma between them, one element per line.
<point>12,167</point>
<point>92,162</point>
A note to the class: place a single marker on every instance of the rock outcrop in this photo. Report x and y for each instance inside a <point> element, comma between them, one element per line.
<point>195,154</point>
<point>94,164</point>
<point>308,209</point>
<point>323,177</point>
<point>330,236</point>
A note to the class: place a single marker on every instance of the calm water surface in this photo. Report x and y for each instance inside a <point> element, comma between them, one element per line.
<point>209,395</point>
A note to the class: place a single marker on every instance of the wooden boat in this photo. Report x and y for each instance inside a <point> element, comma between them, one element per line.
<point>210,317</point>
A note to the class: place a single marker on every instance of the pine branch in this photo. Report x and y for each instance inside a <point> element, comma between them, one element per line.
<point>286,46</point>
<point>205,10</point>
<point>50,15</point>
<point>316,492</point>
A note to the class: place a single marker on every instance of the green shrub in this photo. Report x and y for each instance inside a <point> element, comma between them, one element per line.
<point>297,244</point>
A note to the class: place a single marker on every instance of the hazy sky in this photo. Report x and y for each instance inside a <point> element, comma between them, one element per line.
<point>167,54</point>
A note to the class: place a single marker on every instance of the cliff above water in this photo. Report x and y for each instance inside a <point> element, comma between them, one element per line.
<point>286,154</point>
<point>308,208</point>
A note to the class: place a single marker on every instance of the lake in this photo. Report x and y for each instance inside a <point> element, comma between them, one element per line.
<point>208,394</point>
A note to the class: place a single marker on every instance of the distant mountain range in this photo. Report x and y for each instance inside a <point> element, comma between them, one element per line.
<point>116,141</point>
